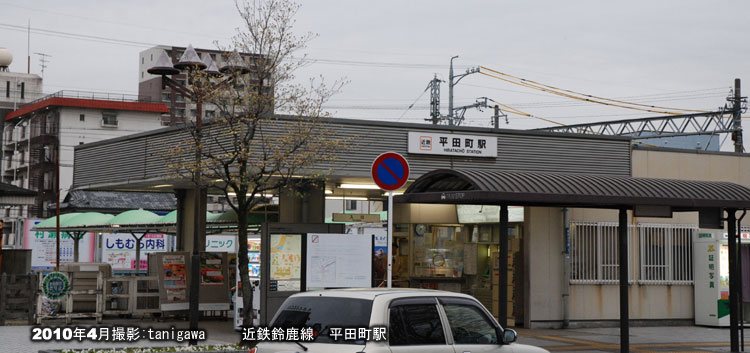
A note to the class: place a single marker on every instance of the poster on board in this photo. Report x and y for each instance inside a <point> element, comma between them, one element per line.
<point>211,269</point>
<point>339,261</point>
<point>175,277</point>
<point>43,246</point>
<point>286,262</point>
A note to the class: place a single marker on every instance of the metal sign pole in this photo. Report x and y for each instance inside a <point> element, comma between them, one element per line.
<point>390,237</point>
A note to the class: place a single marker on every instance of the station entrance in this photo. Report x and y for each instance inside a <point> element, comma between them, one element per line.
<point>644,197</point>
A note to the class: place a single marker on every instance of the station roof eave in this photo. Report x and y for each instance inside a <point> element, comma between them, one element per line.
<point>572,190</point>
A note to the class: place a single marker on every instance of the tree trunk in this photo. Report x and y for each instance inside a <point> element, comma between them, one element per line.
<point>243,261</point>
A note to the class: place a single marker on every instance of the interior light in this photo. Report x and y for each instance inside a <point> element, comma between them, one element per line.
<point>249,194</point>
<point>360,186</point>
<point>354,198</point>
<point>329,192</point>
<point>162,186</point>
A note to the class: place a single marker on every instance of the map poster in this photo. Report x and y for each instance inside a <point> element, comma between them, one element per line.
<point>211,269</point>
<point>339,261</point>
<point>175,271</point>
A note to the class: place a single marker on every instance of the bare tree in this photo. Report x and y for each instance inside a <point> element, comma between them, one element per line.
<point>248,150</point>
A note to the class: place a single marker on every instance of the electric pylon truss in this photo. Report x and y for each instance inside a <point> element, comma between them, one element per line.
<point>662,126</point>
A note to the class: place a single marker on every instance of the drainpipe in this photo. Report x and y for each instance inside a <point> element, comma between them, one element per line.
<point>566,266</point>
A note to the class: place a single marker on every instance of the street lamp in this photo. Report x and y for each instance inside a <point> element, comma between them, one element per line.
<point>192,64</point>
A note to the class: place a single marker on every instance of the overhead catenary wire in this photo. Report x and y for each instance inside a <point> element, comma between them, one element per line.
<point>590,98</point>
<point>578,98</point>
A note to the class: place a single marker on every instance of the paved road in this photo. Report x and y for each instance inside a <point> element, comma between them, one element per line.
<point>642,339</point>
<point>16,339</point>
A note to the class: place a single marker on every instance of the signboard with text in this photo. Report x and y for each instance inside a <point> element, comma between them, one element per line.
<point>43,246</point>
<point>118,249</point>
<point>452,144</point>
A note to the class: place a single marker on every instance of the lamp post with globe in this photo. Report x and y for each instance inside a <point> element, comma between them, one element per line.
<point>203,79</point>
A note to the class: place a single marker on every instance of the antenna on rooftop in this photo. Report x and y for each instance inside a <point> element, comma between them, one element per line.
<point>43,61</point>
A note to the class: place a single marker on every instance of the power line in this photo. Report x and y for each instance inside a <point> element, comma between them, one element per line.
<point>590,98</point>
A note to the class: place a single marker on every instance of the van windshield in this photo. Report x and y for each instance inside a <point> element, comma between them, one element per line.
<point>323,314</point>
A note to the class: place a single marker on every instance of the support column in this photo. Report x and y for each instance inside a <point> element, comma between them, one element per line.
<point>623,257</point>
<point>502,298</point>
<point>179,238</point>
<point>734,281</point>
<point>310,208</point>
<point>192,204</point>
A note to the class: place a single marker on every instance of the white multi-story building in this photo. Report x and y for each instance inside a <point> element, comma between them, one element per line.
<point>34,133</point>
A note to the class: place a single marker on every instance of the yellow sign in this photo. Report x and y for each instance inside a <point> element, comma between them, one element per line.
<point>356,217</point>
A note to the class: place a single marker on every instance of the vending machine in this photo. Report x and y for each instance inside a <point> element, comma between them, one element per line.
<point>253,255</point>
<point>711,277</point>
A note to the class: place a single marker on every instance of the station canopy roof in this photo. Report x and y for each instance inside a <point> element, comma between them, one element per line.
<point>142,221</point>
<point>572,190</point>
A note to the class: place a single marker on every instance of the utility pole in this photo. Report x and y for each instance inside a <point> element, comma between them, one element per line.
<point>455,115</point>
<point>453,118</point>
<point>435,100</point>
<point>450,92</point>
<point>737,106</point>
<point>496,117</point>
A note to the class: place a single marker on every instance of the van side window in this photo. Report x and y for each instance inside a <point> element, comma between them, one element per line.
<point>415,324</point>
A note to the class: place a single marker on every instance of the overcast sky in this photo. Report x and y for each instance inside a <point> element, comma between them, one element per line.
<point>683,54</point>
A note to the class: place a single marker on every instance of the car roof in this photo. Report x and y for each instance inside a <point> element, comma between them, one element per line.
<point>372,293</point>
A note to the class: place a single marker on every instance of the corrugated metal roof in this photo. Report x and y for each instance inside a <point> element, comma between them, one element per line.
<point>575,190</point>
<point>12,190</point>
<point>115,201</point>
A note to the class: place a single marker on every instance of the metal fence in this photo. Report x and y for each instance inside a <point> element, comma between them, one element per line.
<point>593,253</point>
<point>664,253</point>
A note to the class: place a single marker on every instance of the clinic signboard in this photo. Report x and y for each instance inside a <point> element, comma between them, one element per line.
<point>118,249</point>
<point>445,144</point>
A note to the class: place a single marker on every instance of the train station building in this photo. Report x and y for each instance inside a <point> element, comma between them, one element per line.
<point>561,260</point>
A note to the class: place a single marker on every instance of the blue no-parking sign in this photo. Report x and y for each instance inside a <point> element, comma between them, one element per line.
<point>390,171</point>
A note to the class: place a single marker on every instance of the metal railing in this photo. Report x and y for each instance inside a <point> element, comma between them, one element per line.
<point>594,255</point>
<point>120,97</point>
<point>664,253</point>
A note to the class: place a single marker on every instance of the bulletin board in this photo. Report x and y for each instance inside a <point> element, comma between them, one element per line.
<point>339,260</point>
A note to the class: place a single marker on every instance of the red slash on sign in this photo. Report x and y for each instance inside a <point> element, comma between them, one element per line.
<point>390,171</point>
<point>315,238</point>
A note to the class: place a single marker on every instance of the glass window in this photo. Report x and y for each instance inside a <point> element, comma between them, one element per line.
<point>109,119</point>
<point>469,325</point>
<point>415,324</point>
<point>82,117</point>
<point>324,313</point>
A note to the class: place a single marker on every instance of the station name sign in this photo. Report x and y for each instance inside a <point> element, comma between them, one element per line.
<point>452,144</point>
